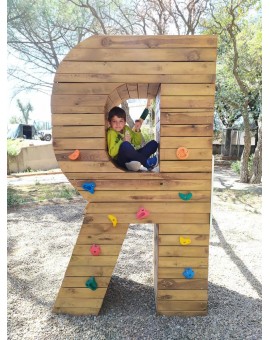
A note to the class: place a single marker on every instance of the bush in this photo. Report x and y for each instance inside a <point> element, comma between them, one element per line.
<point>13,147</point>
<point>235,166</point>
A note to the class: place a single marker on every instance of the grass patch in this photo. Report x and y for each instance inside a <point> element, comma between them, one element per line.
<point>39,193</point>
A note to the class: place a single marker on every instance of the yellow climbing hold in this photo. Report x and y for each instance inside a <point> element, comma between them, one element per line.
<point>185,241</point>
<point>113,219</point>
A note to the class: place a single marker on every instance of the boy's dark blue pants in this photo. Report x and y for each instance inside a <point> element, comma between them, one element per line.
<point>127,153</point>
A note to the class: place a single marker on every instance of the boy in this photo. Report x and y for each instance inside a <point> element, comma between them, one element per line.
<point>121,138</point>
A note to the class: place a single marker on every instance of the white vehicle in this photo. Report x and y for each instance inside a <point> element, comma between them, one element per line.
<point>45,135</point>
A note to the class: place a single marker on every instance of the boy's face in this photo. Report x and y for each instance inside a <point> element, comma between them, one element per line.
<point>117,123</point>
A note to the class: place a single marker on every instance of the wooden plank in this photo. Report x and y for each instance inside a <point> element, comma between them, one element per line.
<point>76,310</point>
<point>123,92</point>
<point>149,41</point>
<point>153,218</point>
<point>144,67</point>
<point>106,228</point>
<point>188,142</point>
<point>194,154</point>
<point>176,295</point>
<point>196,240</point>
<point>185,251</point>
<point>82,293</point>
<point>100,239</point>
<point>140,54</point>
<point>106,250</point>
<point>200,262</point>
<point>115,98</point>
<point>76,282</point>
<point>183,313</point>
<point>176,273</point>
<point>85,155</point>
<point>79,131</point>
<point>149,185</point>
<point>77,109</point>
<point>152,90</point>
<point>168,229</point>
<point>89,271</point>
<point>188,89</point>
<point>182,284</point>
<point>200,102</point>
<point>88,166</point>
<point>78,119</point>
<point>82,88</point>
<point>143,196</point>
<point>186,130</point>
<point>79,100</point>
<point>195,166</point>
<point>133,208</point>
<point>75,302</point>
<point>142,90</point>
<point>138,78</point>
<point>181,305</point>
<point>132,90</point>
<point>79,143</point>
<point>94,261</point>
<point>186,117</point>
<point>141,176</point>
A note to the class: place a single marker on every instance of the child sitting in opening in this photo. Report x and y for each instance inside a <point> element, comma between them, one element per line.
<point>121,138</point>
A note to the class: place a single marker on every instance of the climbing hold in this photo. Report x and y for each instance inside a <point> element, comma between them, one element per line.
<point>182,153</point>
<point>89,186</point>
<point>113,219</point>
<point>142,213</point>
<point>91,283</point>
<point>75,155</point>
<point>95,249</point>
<point>184,241</point>
<point>185,197</point>
<point>188,273</point>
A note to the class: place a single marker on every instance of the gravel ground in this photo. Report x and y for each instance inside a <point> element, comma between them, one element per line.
<point>40,242</point>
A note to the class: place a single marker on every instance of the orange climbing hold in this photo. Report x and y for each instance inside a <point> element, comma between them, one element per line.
<point>75,155</point>
<point>182,153</point>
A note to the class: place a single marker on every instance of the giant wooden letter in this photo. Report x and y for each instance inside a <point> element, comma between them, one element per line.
<point>99,73</point>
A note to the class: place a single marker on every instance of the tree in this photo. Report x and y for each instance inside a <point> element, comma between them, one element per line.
<point>237,26</point>
<point>25,110</point>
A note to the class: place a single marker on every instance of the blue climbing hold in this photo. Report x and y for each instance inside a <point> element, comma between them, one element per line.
<point>188,273</point>
<point>185,197</point>
<point>89,186</point>
<point>91,283</point>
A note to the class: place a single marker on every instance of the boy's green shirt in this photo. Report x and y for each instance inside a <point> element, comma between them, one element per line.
<point>115,139</point>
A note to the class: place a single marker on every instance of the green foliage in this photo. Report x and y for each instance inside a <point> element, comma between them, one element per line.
<point>25,111</point>
<point>13,147</point>
<point>14,198</point>
<point>236,165</point>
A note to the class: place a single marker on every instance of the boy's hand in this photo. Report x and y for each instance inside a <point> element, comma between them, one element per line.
<point>138,125</point>
<point>127,137</point>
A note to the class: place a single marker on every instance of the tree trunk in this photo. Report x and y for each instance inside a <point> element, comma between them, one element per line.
<point>125,107</point>
<point>227,143</point>
<point>257,161</point>
<point>244,173</point>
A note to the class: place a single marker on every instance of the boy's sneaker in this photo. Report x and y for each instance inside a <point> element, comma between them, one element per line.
<point>133,166</point>
<point>152,163</point>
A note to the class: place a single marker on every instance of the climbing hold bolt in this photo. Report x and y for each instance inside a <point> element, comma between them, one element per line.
<point>89,186</point>
<point>185,197</point>
<point>182,153</point>
<point>184,241</point>
<point>142,213</point>
<point>113,219</point>
<point>95,249</point>
<point>91,283</point>
<point>74,155</point>
<point>188,273</point>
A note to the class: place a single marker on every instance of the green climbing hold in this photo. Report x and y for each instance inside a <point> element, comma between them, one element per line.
<point>185,197</point>
<point>91,283</point>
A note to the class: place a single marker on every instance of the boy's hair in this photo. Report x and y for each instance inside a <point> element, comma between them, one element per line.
<point>116,111</point>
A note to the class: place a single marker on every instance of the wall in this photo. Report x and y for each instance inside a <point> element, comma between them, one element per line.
<point>39,157</point>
